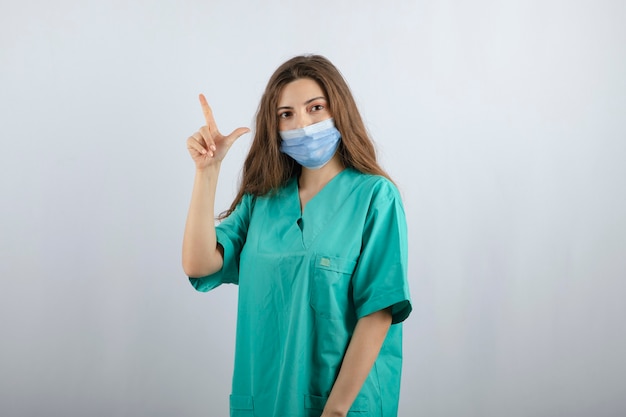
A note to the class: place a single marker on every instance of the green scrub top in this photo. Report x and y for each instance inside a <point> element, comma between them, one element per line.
<point>305,278</point>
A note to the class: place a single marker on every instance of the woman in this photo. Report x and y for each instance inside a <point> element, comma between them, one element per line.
<point>316,240</point>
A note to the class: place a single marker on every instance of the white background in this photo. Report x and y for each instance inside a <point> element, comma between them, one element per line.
<point>503,123</point>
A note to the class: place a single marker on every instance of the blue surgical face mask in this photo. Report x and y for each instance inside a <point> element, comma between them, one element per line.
<point>312,146</point>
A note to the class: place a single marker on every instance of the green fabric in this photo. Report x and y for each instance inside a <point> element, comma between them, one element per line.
<point>304,281</point>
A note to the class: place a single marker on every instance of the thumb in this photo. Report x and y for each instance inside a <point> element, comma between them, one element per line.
<point>235,134</point>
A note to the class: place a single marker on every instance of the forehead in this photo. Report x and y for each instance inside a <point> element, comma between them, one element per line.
<point>299,91</point>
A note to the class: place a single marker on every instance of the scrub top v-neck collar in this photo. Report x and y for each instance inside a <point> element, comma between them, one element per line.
<point>310,221</point>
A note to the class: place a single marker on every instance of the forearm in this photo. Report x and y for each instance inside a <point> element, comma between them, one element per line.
<point>200,252</point>
<point>368,337</point>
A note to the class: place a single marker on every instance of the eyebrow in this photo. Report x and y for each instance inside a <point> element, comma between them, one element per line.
<point>305,103</point>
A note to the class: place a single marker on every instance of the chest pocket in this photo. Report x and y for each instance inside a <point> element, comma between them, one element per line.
<point>330,292</point>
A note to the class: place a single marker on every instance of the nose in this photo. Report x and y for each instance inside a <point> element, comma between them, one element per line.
<point>303,119</point>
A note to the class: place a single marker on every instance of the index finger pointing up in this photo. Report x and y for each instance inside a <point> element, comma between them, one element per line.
<point>206,109</point>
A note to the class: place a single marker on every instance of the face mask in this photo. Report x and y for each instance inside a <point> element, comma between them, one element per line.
<point>312,146</point>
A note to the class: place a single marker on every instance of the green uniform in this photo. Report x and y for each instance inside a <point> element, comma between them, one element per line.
<point>304,281</point>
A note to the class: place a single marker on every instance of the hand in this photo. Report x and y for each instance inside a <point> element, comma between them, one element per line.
<point>208,146</point>
<point>332,414</point>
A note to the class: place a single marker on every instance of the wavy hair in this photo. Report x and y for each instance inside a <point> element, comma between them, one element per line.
<point>266,168</point>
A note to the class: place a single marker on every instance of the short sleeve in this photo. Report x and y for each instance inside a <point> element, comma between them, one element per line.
<point>380,278</point>
<point>231,235</point>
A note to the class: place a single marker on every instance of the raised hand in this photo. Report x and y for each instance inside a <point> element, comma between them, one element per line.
<point>208,146</point>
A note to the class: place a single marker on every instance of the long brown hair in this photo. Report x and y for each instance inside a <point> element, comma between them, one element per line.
<point>266,168</point>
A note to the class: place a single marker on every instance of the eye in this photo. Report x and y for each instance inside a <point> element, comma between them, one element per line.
<point>317,107</point>
<point>284,115</point>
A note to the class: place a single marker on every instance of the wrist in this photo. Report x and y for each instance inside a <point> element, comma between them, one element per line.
<point>335,413</point>
<point>209,169</point>
<point>330,411</point>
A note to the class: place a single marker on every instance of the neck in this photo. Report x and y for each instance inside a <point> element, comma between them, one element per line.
<point>316,179</point>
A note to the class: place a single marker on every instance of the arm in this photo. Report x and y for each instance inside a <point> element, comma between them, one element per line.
<point>368,337</point>
<point>201,254</point>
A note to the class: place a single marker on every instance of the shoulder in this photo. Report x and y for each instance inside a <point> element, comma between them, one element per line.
<point>377,187</point>
<point>281,192</point>
<point>244,207</point>
<point>247,201</point>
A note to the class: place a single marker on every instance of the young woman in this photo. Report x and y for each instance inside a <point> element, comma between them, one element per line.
<point>316,240</point>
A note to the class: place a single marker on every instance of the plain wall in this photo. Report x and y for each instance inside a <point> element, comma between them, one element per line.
<point>503,124</point>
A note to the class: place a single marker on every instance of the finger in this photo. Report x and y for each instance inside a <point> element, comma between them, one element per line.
<point>208,137</point>
<point>194,149</point>
<point>206,110</point>
<point>201,138</point>
<point>195,143</point>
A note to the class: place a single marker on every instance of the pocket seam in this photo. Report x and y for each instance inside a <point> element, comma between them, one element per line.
<point>241,402</point>
<point>335,264</point>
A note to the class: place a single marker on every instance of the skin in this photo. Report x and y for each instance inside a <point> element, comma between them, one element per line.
<point>207,147</point>
<point>301,103</point>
